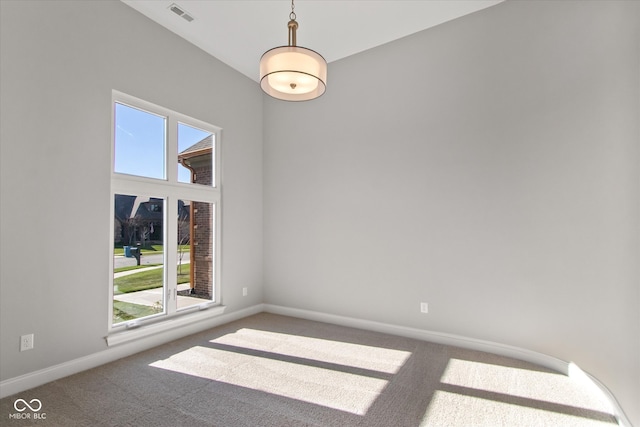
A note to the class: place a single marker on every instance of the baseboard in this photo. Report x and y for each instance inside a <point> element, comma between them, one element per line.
<point>34,379</point>
<point>550,362</point>
<point>425,335</point>
<point>616,409</point>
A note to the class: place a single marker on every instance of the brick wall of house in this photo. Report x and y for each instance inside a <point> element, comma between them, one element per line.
<point>203,239</point>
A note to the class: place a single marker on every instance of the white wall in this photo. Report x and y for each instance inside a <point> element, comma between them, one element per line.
<point>60,62</point>
<point>489,167</point>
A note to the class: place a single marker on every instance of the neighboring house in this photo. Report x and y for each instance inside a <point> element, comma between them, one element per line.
<point>198,159</point>
<point>138,220</point>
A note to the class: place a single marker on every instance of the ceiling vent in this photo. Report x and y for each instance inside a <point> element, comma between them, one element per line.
<point>180,12</point>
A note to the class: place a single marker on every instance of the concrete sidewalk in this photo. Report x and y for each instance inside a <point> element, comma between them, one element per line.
<point>153,297</point>
<point>140,270</point>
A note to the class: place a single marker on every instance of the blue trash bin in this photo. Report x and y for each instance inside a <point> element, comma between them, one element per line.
<point>127,251</point>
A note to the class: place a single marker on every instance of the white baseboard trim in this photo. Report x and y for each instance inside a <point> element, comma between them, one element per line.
<point>550,362</point>
<point>616,409</point>
<point>425,335</point>
<point>28,381</point>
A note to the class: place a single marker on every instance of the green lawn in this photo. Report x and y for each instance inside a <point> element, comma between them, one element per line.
<point>133,267</point>
<point>146,280</point>
<point>123,311</point>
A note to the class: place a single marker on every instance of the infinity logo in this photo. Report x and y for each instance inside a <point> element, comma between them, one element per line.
<point>26,405</point>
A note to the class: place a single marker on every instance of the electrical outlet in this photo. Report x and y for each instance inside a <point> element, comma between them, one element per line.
<point>244,292</point>
<point>26,342</point>
<point>424,307</point>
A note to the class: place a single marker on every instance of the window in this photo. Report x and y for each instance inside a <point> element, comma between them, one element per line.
<point>165,225</point>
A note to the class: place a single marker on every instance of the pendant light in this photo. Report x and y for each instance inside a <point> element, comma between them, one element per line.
<point>293,73</point>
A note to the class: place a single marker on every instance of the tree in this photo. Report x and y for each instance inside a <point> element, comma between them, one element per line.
<point>184,231</point>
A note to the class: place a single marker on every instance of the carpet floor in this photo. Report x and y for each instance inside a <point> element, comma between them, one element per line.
<point>270,370</point>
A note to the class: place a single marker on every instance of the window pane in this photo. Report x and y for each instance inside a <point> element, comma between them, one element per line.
<point>138,259</point>
<point>196,156</point>
<point>139,142</point>
<point>195,252</point>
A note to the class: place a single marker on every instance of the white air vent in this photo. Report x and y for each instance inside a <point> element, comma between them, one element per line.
<point>180,12</point>
<point>176,9</point>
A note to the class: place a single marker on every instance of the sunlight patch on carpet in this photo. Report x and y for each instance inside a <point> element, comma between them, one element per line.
<point>345,353</point>
<point>531,384</point>
<point>453,409</point>
<point>339,375</point>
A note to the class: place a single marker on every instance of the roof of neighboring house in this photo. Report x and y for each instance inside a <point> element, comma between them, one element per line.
<point>201,147</point>
<point>128,207</point>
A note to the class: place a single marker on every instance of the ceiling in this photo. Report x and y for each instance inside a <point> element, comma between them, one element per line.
<point>238,32</point>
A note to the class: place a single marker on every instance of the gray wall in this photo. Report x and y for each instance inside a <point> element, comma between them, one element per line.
<point>489,167</point>
<point>60,61</point>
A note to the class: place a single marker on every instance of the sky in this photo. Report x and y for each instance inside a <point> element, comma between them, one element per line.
<point>140,143</point>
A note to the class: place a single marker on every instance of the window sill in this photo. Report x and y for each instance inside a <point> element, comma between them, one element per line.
<point>144,331</point>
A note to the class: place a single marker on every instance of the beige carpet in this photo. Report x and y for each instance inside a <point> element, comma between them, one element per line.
<point>270,370</point>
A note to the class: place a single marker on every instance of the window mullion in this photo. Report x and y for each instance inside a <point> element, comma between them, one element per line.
<point>172,149</point>
<point>170,254</point>
<point>217,250</point>
<point>172,215</point>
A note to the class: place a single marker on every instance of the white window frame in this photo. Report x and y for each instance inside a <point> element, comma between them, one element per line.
<point>170,190</point>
